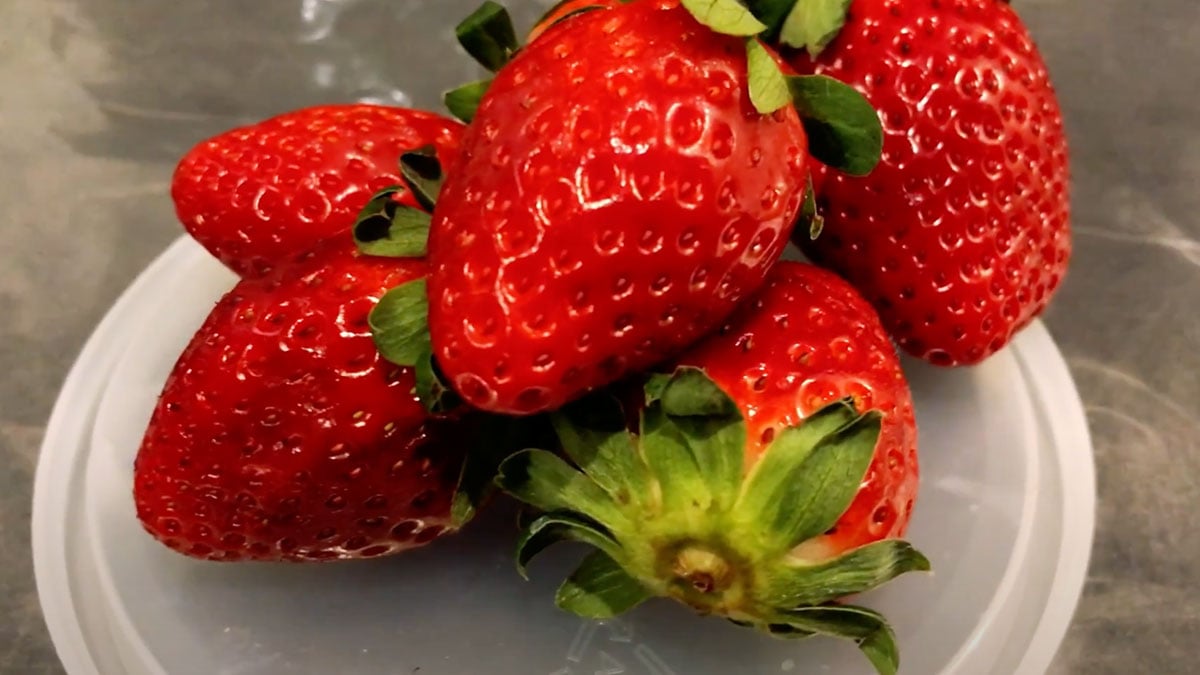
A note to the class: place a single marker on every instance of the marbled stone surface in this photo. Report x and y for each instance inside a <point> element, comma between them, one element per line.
<point>98,98</point>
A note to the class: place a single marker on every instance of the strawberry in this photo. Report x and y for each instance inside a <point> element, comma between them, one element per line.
<point>770,475</point>
<point>257,195</point>
<point>617,196</point>
<point>960,236</point>
<point>282,435</point>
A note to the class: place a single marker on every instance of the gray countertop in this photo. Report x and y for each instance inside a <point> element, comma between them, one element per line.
<point>99,98</point>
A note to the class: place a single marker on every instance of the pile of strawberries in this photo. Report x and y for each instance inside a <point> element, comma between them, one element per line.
<point>578,297</point>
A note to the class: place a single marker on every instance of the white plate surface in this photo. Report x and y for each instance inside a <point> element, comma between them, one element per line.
<point>1005,513</point>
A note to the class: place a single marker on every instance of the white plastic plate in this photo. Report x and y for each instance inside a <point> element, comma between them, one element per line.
<point>1005,513</point>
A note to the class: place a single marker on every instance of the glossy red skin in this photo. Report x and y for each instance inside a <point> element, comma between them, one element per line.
<point>616,197</point>
<point>961,236</point>
<point>257,195</point>
<point>563,10</point>
<point>805,340</point>
<point>282,435</point>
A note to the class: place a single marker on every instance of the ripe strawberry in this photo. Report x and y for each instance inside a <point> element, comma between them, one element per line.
<point>281,433</point>
<point>753,489</point>
<point>960,236</point>
<point>617,197</point>
<point>257,195</point>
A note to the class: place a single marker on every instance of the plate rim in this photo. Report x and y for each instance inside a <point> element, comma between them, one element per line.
<point>1076,458</point>
<point>84,383</point>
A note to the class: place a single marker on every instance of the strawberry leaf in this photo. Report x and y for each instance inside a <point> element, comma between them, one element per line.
<point>771,13</point>
<point>488,35</point>
<point>560,526</point>
<point>868,629</point>
<point>830,477</point>
<point>729,17</point>
<point>463,102</point>
<point>540,478</point>
<point>786,490</point>
<point>593,434</point>
<point>786,631</point>
<point>813,24</point>
<point>690,393</point>
<point>669,456</point>
<point>851,573</point>
<point>496,439</point>
<point>432,390</point>
<point>768,85</point>
<point>843,129</point>
<point>718,445</point>
<point>701,418</point>
<point>400,324</point>
<point>600,589</point>
<point>693,438</point>
<point>422,171</point>
<point>389,229</point>
<point>810,217</point>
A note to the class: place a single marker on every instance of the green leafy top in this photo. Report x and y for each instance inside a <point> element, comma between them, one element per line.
<point>730,17</point>
<point>672,511</point>
<point>488,35</point>
<point>387,228</point>
<point>399,321</point>
<point>390,229</point>
<point>795,23</point>
<point>812,24</point>
<point>844,131</point>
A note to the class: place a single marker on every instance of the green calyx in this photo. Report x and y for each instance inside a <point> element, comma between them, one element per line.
<point>495,438</point>
<point>400,327</point>
<point>728,17</point>
<point>843,129</point>
<point>389,229</point>
<point>810,215</point>
<point>400,320</point>
<point>810,24</point>
<point>489,37</point>
<point>400,324</point>
<point>672,511</point>
<point>463,102</point>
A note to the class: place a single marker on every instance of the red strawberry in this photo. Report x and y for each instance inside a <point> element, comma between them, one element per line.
<point>809,339</point>
<point>281,434</point>
<point>771,475</point>
<point>617,196</point>
<point>960,236</point>
<point>257,195</point>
